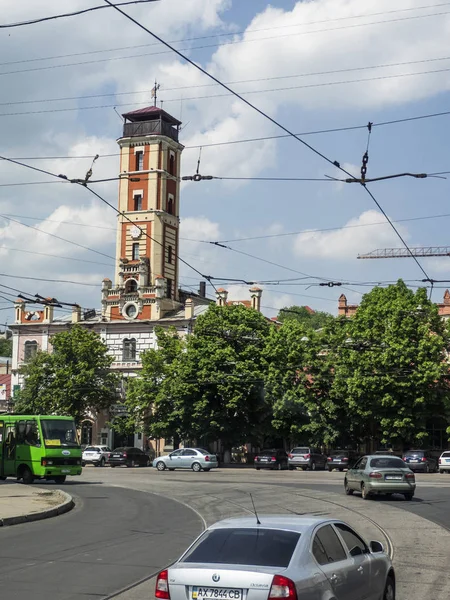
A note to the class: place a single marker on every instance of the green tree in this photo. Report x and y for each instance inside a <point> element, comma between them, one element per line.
<point>73,380</point>
<point>5,347</point>
<point>311,319</point>
<point>392,369</point>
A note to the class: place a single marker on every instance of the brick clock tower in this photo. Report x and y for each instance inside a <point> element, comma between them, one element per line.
<point>146,279</point>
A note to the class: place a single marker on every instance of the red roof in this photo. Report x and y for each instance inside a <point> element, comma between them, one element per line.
<point>310,310</point>
<point>148,113</point>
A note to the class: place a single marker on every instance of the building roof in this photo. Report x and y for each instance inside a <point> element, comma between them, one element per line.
<point>149,113</point>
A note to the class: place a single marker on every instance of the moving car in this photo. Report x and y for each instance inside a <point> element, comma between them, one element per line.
<point>196,459</point>
<point>341,459</point>
<point>279,557</point>
<point>129,457</point>
<point>444,462</point>
<point>305,457</point>
<point>376,474</point>
<point>271,459</point>
<point>421,460</point>
<point>95,455</point>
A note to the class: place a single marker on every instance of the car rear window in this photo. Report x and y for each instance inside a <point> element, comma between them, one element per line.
<point>119,449</point>
<point>92,449</point>
<point>300,451</point>
<point>446,455</point>
<point>204,452</point>
<point>341,453</point>
<point>257,547</point>
<point>387,463</point>
<point>268,453</point>
<point>414,453</point>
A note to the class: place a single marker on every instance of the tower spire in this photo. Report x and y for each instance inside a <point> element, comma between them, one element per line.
<point>155,92</point>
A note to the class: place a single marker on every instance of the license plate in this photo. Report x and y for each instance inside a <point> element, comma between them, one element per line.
<point>65,470</point>
<point>393,477</point>
<point>447,460</point>
<point>116,455</point>
<point>414,460</point>
<point>210,593</point>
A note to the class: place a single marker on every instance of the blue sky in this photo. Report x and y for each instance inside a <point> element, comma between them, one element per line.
<point>311,37</point>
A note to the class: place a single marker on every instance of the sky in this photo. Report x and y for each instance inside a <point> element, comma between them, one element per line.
<point>312,66</point>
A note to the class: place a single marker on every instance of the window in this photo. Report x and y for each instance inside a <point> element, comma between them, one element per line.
<point>129,349</point>
<point>30,350</point>
<point>326,546</point>
<point>189,453</point>
<point>176,453</point>
<point>169,287</point>
<point>135,251</point>
<point>259,547</point>
<point>170,205</point>
<point>27,433</point>
<point>351,539</point>
<point>172,163</point>
<point>169,255</point>
<point>131,286</point>
<point>60,432</point>
<point>137,202</point>
<point>139,160</point>
<point>131,311</point>
<point>387,463</point>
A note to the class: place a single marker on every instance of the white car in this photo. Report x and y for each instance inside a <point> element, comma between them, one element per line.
<point>95,455</point>
<point>444,462</point>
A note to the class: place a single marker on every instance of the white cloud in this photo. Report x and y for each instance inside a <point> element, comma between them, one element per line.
<point>357,238</point>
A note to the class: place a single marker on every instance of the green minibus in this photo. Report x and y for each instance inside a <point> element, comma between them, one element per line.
<point>38,447</point>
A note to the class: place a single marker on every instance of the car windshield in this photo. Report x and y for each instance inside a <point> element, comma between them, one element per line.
<point>59,432</point>
<point>258,547</point>
<point>387,463</point>
<point>300,451</point>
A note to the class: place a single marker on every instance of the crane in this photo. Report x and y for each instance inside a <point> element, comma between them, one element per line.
<point>423,251</point>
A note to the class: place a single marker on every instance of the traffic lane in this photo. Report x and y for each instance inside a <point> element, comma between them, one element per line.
<point>113,538</point>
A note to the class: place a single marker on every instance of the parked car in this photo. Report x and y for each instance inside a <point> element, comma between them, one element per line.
<point>376,474</point>
<point>421,460</point>
<point>196,459</point>
<point>444,462</point>
<point>305,457</point>
<point>95,455</point>
<point>129,457</point>
<point>279,557</point>
<point>271,459</point>
<point>341,459</point>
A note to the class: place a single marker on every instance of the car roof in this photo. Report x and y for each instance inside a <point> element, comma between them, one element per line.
<point>387,455</point>
<point>299,524</point>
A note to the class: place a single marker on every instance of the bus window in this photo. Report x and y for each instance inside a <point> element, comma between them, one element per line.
<point>32,434</point>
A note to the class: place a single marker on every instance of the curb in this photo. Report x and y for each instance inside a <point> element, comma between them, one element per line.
<point>60,509</point>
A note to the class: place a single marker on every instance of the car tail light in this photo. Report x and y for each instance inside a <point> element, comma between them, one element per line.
<point>440,461</point>
<point>330,459</point>
<point>124,454</point>
<point>423,459</point>
<point>345,459</point>
<point>207,458</point>
<point>282,587</point>
<point>274,458</point>
<point>375,475</point>
<point>290,455</point>
<point>410,476</point>
<point>307,456</point>
<point>162,585</point>
<point>404,458</point>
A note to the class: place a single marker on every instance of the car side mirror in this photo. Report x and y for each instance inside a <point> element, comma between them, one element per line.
<point>356,551</point>
<point>376,547</point>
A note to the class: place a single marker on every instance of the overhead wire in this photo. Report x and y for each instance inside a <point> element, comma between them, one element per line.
<point>268,117</point>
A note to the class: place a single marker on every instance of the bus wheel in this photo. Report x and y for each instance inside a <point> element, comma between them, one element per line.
<point>59,478</point>
<point>27,475</point>
<point>2,478</point>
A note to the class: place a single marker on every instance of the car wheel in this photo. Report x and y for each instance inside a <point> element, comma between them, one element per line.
<point>196,467</point>
<point>313,466</point>
<point>364,492</point>
<point>348,490</point>
<point>409,496</point>
<point>102,462</point>
<point>291,468</point>
<point>427,468</point>
<point>2,478</point>
<point>112,466</point>
<point>341,469</point>
<point>161,466</point>
<point>329,469</point>
<point>59,479</point>
<point>389,589</point>
<point>27,476</point>
<point>279,467</point>
<point>131,464</point>
<point>257,468</point>
<point>83,464</point>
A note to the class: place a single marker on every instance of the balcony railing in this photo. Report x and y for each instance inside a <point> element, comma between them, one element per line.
<point>157,127</point>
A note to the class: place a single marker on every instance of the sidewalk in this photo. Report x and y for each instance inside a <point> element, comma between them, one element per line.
<point>25,503</point>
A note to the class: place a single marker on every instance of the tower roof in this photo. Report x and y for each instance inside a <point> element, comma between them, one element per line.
<point>149,113</point>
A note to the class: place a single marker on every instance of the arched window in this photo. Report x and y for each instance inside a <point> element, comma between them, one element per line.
<point>30,350</point>
<point>131,286</point>
<point>129,349</point>
<point>86,433</point>
<point>172,163</point>
<point>170,206</point>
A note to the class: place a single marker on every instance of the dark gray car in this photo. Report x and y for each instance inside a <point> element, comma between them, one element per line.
<point>342,459</point>
<point>281,558</point>
<point>306,457</point>
<point>421,461</point>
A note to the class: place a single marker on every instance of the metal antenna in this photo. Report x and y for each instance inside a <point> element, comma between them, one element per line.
<point>258,522</point>
<point>199,159</point>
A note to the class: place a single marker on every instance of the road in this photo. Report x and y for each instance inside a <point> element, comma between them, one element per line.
<point>127,524</point>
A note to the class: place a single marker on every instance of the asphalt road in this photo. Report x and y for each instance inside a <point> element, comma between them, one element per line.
<point>118,535</point>
<point>113,537</point>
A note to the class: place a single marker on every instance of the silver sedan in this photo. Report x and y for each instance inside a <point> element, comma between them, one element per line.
<point>378,474</point>
<point>279,557</point>
<point>196,459</point>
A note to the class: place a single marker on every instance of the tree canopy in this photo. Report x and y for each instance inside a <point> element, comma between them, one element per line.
<point>73,380</point>
<point>311,319</point>
<point>5,347</point>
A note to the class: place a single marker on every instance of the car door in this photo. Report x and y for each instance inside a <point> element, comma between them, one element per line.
<point>188,457</point>
<point>174,460</point>
<point>333,560</point>
<point>351,473</point>
<point>358,472</point>
<point>359,572</point>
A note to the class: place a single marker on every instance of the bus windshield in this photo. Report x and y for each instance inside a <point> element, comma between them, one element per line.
<point>59,433</point>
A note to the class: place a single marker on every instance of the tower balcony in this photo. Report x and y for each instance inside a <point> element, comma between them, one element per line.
<point>143,128</point>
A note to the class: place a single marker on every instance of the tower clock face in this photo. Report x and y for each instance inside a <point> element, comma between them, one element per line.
<point>135,232</point>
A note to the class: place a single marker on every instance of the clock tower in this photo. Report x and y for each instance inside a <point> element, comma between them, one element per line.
<point>146,278</point>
